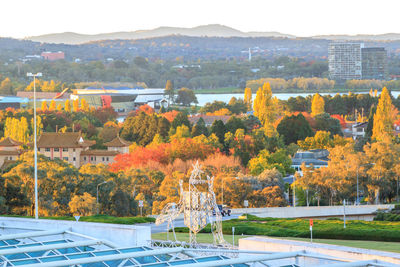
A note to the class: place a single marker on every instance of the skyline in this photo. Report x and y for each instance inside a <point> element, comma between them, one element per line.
<point>94,17</point>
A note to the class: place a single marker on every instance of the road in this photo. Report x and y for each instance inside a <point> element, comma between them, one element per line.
<point>178,223</point>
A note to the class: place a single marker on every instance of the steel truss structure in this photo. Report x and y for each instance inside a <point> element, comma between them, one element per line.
<point>199,207</point>
<point>64,248</point>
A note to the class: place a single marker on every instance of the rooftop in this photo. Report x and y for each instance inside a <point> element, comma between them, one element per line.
<point>118,142</point>
<point>99,152</point>
<point>61,140</point>
<point>7,141</point>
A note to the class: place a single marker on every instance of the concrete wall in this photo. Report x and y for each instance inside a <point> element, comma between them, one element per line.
<point>353,254</point>
<point>121,235</point>
<point>356,212</point>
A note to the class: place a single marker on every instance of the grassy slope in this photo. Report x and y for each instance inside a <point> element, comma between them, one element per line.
<point>326,229</point>
<point>207,238</point>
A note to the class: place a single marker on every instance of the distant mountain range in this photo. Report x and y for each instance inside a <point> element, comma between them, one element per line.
<point>212,30</point>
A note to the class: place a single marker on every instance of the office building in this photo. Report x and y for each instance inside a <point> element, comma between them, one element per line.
<point>345,61</point>
<point>374,60</point>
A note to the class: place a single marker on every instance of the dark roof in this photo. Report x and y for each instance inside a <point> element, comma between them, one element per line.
<point>208,119</point>
<point>69,140</point>
<point>99,152</point>
<point>118,142</point>
<point>8,141</point>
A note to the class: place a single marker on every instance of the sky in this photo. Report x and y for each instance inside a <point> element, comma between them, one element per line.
<point>22,18</point>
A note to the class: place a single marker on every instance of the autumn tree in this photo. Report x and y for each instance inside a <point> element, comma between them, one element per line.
<point>67,105</point>
<point>248,98</point>
<point>75,105</point>
<point>384,117</point>
<point>83,205</point>
<point>52,106</point>
<point>44,105</point>
<point>84,105</point>
<point>169,91</point>
<point>266,108</point>
<point>317,105</point>
<point>6,87</point>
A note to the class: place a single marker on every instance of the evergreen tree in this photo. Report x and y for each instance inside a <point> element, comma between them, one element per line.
<point>317,105</point>
<point>200,128</point>
<point>248,98</point>
<point>218,128</point>
<point>383,118</point>
<point>294,128</point>
<point>180,119</point>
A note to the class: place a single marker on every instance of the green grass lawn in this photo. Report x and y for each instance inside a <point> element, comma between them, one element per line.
<point>207,238</point>
<point>201,238</point>
<point>323,229</point>
<point>224,90</point>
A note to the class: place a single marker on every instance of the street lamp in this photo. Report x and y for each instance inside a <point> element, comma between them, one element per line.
<point>97,195</point>
<point>39,74</point>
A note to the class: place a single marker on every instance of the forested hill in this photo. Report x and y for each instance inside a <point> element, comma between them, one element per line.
<point>182,47</point>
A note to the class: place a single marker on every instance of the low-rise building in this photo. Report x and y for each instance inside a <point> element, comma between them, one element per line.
<point>72,148</point>
<point>317,158</point>
<point>10,150</point>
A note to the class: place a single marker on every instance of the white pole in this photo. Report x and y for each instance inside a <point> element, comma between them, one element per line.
<point>35,149</point>
<point>344,213</point>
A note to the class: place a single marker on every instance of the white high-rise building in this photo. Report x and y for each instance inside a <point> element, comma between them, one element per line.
<point>345,61</point>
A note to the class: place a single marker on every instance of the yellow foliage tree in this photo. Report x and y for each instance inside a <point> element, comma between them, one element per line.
<point>384,117</point>
<point>59,107</point>
<point>84,105</point>
<point>52,106</point>
<point>84,205</point>
<point>67,107</point>
<point>75,105</point>
<point>317,105</point>
<point>44,105</point>
<point>248,98</point>
<point>266,109</point>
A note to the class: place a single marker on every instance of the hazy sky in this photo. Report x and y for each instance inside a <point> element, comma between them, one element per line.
<point>20,18</point>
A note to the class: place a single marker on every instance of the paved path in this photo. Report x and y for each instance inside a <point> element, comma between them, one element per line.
<point>178,223</point>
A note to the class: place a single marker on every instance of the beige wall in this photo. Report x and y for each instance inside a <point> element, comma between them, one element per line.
<point>122,150</point>
<point>10,157</point>
<point>85,159</point>
<point>71,155</point>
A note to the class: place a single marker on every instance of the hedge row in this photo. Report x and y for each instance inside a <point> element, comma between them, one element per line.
<point>326,229</point>
<point>101,219</point>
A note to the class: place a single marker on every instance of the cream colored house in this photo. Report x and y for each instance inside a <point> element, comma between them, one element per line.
<point>10,150</point>
<point>72,148</point>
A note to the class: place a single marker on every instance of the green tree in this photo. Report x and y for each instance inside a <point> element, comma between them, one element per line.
<point>186,97</point>
<point>294,128</point>
<point>200,128</point>
<point>218,128</point>
<point>268,161</point>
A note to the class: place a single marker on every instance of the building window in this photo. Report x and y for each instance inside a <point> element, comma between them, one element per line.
<point>47,149</point>
<point>103,159</point>
<point>10,158</point>
<point>73,150</point>
<point>84,158</point>
<point>91,158</point>
<point>107,158</point>
<point>38,149</point>
<point>65,158</point>
<point>65,149</point>
<point>56,149</point>
<point>74,159</point>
